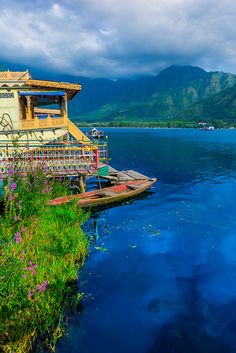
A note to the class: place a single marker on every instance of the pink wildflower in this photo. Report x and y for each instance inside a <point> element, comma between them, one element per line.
<point>11,172</point>
<point>23,276</point>
<point>42,287</point>
<point>15,218</point>
<point>17,240</point>
<point>30,295</point>
<point>31,268</point>
<point>11,197</point>
<point>13,186</point>
<point>17,237</point>
<point>20,173</point>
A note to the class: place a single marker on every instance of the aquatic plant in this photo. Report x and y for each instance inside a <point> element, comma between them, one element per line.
<point>41,250</point>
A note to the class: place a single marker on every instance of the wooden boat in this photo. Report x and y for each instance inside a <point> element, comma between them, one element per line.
<point>106,195</point>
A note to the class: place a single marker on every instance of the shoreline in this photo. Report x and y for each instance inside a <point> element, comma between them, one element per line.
<point>154,125</point>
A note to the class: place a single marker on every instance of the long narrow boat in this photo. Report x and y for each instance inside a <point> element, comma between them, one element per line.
<point>107,195</point>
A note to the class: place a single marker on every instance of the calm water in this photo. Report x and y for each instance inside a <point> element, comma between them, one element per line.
<point>167,281</point>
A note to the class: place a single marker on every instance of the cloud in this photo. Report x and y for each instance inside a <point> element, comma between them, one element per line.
<point>110,38</point>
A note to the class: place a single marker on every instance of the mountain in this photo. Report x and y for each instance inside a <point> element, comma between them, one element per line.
<point>100,97</point>
<point>221,106</point>
<point>165,96</point>
<point>177,92</point>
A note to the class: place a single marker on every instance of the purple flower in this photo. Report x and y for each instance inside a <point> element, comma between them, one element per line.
<point>17,240</point>
<point>11,197</point>
<point>20,173</point>
<point>31,268</point>
<point>43,191</point>
<point>17,237</point>
<point>13,186</point>
<point>23,229</point>
<point>15,218</point>
<point>30,294</point>
<point>11,172</point>
<point>42,287</point>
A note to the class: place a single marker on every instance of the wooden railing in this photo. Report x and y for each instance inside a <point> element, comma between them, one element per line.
<point>46,123</point>
<point>9,75</point>
<point>57,159</point>
<point>51,123</point>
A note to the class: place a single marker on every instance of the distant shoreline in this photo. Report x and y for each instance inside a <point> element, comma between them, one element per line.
<point>218,124</point>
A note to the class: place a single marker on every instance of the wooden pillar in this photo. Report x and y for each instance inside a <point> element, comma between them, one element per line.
<point>29,108</point>
<point>82,183</point>
<point>65,108</point>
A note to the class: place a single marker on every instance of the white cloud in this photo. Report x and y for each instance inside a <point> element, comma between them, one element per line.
<point>57,11</point>
<point>118,38</point>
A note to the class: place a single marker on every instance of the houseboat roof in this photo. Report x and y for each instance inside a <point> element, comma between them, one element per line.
<point>70,88</point>
<point>23,79</point>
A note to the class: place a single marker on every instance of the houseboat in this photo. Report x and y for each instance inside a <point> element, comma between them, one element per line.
<point>34,119</point>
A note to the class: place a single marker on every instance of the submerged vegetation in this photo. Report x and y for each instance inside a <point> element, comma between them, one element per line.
<point>41,250</point>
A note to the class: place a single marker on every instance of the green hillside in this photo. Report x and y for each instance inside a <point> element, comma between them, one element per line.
<point>165,97</point>
<point>221,106</point>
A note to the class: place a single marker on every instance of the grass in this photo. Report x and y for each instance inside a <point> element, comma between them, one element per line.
<point>41,250</point>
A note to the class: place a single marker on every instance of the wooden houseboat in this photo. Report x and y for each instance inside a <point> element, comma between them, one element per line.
<point>34,119</point>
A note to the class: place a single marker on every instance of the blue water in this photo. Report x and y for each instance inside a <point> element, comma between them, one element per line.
<point>167,281</point>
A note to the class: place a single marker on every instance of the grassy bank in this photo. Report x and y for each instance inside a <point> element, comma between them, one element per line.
<point>42,249</point>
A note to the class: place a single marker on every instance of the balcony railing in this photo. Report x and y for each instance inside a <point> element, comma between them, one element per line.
<point>57,159</point>
<point>9,75</point>
<point>45,123</point>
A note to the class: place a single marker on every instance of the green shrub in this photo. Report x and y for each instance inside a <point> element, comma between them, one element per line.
<point>41,250</point>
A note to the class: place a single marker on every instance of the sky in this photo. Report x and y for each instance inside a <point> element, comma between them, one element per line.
<point>117,38</point>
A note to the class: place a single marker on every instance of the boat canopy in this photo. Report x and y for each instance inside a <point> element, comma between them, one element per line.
<point>42,93</point>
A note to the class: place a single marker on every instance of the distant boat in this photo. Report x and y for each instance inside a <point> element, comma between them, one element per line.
<point>204,126</point>
<point>95,133</point>
<point>209,128</point>
<point>107,195</point>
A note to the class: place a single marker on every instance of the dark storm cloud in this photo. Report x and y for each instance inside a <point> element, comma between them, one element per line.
<point>113,38</point>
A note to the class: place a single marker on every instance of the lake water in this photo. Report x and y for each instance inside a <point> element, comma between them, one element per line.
<point>166,282</point>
